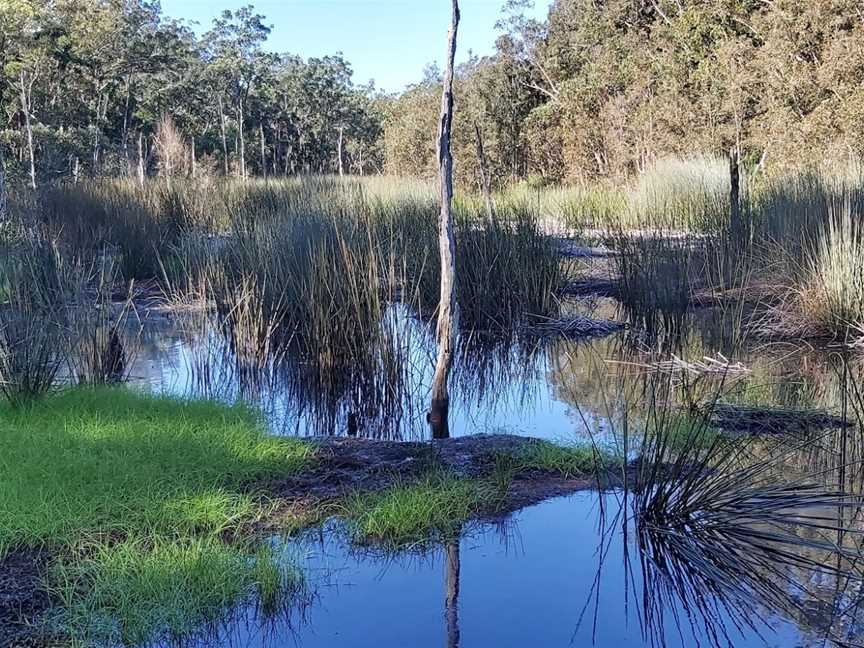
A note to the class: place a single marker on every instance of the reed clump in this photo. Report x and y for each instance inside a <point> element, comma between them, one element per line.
<point>33,344</point>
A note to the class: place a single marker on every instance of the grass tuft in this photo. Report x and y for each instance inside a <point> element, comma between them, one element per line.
<point>433,508</point>
<point>568,461</point>
<point>144,589</point>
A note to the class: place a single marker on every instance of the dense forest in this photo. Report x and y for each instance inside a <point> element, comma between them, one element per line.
<point>599,89</point>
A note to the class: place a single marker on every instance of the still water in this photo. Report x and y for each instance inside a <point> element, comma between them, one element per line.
<point>566,572</point>
<point>533,580</point>
<point>561,389</point>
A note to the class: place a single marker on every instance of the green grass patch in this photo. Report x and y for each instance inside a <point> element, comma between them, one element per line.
<point>433,508</point>
<point>567,461</point>
<point>133,592</point>
<point>439,504</point>
<point>135,493</point>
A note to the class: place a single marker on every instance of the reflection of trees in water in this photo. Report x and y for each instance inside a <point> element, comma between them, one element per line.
<point>382,391</point>
<point>497,371</point>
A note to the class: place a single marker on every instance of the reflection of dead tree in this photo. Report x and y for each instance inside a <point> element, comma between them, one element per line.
<point>718,365</point>
<point>445,330</point>
<point>451,602</point>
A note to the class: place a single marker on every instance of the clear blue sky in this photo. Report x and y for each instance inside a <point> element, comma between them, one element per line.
<point>389,41</point>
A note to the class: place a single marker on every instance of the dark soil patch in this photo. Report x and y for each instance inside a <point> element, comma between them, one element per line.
<point>348,465</point>
<point>23,599</point>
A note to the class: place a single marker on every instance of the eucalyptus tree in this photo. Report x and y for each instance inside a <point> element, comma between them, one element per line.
<point>28,44</point>
<point>234,52</point>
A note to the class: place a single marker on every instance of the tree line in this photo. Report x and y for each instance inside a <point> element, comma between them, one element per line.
<point>598,89</point>
<point>114,87</point>
<point>602,88</point>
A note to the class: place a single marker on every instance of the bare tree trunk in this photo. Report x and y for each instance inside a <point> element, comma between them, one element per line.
<point>241,139</point>
<point>485,178</point>
<point>25,108</point>
<point>4,202</point>
<point>735,222</point>
<point>193,170</point>
<point>263,151</point>
<point>451,602</point>
<point>339,150</point>
<point>438,414</point>
<point>141,159</point>
<point>124,142</point>
<point>224,138</point>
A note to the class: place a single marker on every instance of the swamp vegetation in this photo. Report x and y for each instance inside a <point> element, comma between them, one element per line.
<point>215,371</point>
<point>717,392</point>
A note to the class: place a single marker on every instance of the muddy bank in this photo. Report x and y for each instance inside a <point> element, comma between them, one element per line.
<point>23,599</point>
<point>348,465</point>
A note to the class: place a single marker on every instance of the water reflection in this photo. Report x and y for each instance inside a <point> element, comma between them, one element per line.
<point>560,389</point>
<point>534,581</point>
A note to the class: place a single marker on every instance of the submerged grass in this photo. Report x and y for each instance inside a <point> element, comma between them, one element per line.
<point>136,495</point>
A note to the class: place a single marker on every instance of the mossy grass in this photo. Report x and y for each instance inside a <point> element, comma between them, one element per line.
<point>142,499</point>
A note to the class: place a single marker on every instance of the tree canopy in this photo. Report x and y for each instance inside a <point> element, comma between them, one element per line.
<point>600,88</point>
<point>95,77</point>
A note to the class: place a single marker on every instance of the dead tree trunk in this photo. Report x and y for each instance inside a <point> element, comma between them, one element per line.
<point>735,222</point>
<point>438,414</point>
<point>485,178</point>
<point>451,602</point>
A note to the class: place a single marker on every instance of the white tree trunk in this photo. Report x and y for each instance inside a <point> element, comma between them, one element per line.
<point>224,138</point>
<point>241,139</point>
<point>4,204</point>
<point>438,414</point>
<point>339,150</point>
<point>28,128</point>
<point>263,151</point>
<point>141,159</point>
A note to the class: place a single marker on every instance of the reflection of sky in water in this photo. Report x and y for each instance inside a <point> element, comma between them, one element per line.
<point>525,585</point>
<point>520,401</point>
<point>558,390</point>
